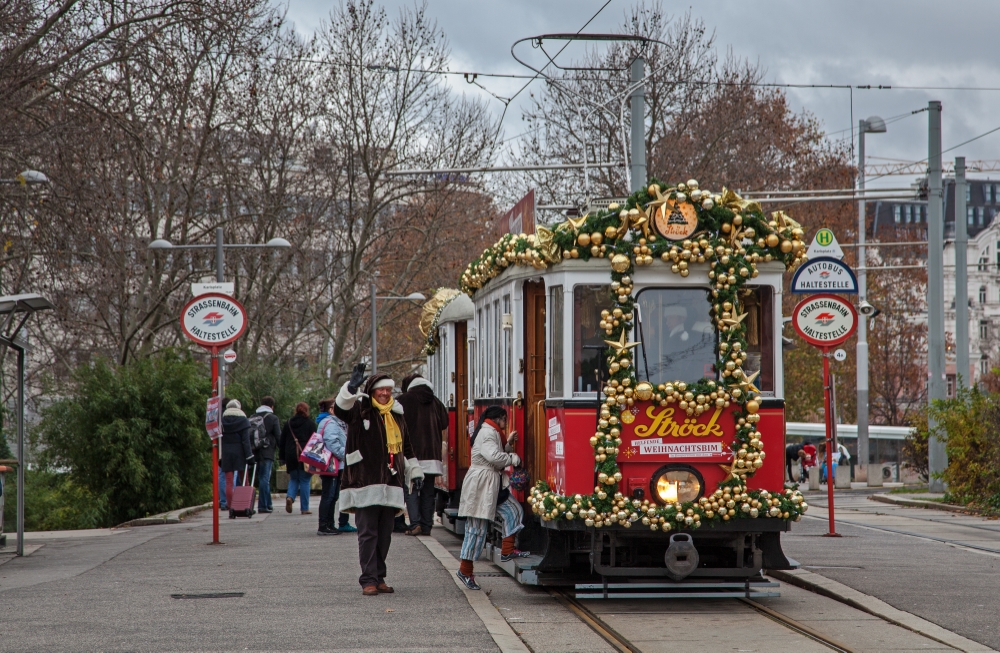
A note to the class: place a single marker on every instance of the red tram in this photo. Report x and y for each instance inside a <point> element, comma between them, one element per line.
<point>637,351</point>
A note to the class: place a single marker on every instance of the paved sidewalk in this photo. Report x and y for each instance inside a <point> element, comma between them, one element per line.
<point>300,593</point>
<point>938,565</point>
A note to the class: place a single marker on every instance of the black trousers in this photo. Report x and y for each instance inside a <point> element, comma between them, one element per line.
<point>328,501</point>
<point>374,537</point>
<point>420,505</point>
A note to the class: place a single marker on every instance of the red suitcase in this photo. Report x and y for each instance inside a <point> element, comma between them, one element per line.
<point>244,497</point>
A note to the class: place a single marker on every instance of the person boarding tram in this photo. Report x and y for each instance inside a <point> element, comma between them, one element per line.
<point>486,493</point>
<point>426,423</point>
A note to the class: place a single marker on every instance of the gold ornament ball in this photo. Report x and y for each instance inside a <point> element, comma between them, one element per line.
<point>786,246</point>
<point>752,406</point>
<point>583,239</point>
<point>595,250</point>
<point>644,391</point>
<point>773,240</point>
<point>619,263</point>
<point>610,232</point>
<point>596,238</point>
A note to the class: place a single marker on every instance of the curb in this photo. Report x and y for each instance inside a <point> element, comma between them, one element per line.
<point>860,601</point>
<point>172,517</point>
<point>918,503</point>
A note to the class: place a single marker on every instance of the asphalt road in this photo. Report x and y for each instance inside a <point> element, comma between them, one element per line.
<point>948,584</point>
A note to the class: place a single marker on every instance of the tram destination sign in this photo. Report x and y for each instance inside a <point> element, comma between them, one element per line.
<point>213,320</point>
<point>825,274</point>
<point>825,320</point>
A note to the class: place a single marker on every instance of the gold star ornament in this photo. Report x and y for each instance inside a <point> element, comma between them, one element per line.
<point>621,346</point>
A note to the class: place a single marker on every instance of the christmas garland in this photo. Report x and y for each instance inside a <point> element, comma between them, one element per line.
<point>732,235</point>
<point>431,317</point>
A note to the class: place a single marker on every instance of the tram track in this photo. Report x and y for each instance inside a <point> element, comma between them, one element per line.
<point>621,644</point>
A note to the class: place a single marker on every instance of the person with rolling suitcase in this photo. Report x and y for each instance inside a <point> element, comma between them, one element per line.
<point>244,496</point>
<point>236,449</point>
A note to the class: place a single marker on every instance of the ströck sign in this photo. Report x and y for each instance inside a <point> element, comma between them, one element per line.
<point>825,274</point>
<point>825,320</point>
<point>213,320</point>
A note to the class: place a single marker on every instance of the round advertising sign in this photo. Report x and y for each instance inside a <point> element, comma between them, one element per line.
<point>213,320</point>
<point>825,320</point>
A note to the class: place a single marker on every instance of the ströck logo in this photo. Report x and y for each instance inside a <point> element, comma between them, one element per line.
<point>213,318</point>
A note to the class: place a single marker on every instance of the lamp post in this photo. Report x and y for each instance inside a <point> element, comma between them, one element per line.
<point>218,366</point>
<point>413,297</point>
<point>873,125</point>
<point>28,177</point>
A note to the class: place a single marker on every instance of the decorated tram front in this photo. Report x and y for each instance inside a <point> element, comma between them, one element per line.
<point>637,351</point>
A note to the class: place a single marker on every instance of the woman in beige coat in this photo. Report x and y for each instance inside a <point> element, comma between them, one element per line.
<point>485,493</point>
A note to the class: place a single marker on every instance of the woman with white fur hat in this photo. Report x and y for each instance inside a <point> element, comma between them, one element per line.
<point>379,460</point>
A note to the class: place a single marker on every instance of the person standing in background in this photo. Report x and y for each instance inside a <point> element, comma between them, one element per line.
<point>344,520</point>
<point>265,453</point>
<point>334,433</point>
<point>427,423</point>
<point>294,436</point>
<point>237,453</point>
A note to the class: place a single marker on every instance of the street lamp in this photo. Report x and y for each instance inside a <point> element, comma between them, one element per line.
<point>413,297</point>
<point>873,125</point>
<point>27,177</point>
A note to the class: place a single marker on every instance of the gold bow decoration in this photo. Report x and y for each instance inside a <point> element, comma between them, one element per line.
<point>783,221</point>
<point>570,223</point>
<point>546,246</point>
<point>732,201</point>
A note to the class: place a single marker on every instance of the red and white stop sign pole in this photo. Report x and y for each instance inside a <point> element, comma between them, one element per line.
<point>825,321</point>
<point>212,321</point>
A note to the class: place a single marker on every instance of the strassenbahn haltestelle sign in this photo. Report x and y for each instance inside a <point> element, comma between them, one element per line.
<point>213,320</point>
<point>825,320</point>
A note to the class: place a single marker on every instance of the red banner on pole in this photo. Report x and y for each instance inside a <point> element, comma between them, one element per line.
<point>520,219</point>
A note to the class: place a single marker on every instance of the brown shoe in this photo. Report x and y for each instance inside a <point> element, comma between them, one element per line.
<point>307,512</point>
<point>370,590</point>
<point>384,589</point>
<point>289,502</point>
<point>416,530</point>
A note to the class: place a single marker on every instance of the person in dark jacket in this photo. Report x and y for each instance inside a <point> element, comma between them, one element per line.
<point>236,450</point>
<point>378,463</point>
<point>294,437</point>
<point>265,454</point>
<point>427,425</point>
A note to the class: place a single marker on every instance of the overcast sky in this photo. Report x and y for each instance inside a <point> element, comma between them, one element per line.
<point>918,43</point>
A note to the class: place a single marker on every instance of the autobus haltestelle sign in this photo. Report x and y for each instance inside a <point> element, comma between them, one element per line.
<point>213,320</point>
<point>825,320</point>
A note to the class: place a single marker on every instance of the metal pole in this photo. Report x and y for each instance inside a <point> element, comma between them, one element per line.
<point>937,456</point>
<point>374,330</point>
<point>828,414</point>
<point>220,264</point>
<point>961,277</point>
<point>638,150</point>
<point>20,452</point>
<point>862,347</point>
<point>215,453</point>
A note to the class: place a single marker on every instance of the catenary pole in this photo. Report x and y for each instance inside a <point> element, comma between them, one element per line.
<point>638,117</point>
<point>374,329</point>
<point>218,384</point>
<point>961,277</point>
<point>862,346</point>
<point>936,454</point>
<point>21,458</point>
<point>830,426</point>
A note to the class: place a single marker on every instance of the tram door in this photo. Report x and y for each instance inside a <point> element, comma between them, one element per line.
<point>462,414</point>
<point>534,379</point>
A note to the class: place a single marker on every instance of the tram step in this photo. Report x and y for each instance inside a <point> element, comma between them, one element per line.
<point>682,590</point>
<point>452,522</point>
<point>520,569</point>
<point>678,595</point>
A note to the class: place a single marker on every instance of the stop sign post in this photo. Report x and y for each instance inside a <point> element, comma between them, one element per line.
<point>825,321</point>
<point>214,320</point>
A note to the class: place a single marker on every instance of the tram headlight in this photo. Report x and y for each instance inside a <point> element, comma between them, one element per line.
<point>676,484</point>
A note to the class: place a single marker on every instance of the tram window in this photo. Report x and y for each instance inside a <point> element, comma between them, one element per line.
<point>757,304</point>
<point>555,319</point>
<point>488,347</point>
<point>498,383</point>
<point>508,351</point>
<point>588,338</point>
<point>676,334</point>
<point>476,357</point>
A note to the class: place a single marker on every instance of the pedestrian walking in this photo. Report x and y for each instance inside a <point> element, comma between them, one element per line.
<point>379,462</point>
<point>427,424</point>
<point>486,493</point>
<point>268,429</point>
<point>344,520</point>
<point>237,453</point>
<point>794,455</point>
<point>294,436</point>
<point>334,433</point>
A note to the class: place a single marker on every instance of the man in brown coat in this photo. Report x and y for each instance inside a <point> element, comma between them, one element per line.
<point>378,463</point>
<point>427,426</point>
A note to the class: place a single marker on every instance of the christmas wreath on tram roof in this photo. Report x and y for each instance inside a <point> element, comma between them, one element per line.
<point>733,235</point>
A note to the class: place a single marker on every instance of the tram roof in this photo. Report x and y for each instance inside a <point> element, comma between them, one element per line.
<point>816,430</point>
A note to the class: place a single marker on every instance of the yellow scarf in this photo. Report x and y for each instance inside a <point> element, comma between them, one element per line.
<point>393,438</point>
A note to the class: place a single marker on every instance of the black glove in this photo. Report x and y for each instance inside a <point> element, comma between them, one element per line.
<point>357,378</point>
<point>251,458</point>
<point>418,484</point>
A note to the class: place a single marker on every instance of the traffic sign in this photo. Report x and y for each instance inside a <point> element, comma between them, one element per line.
<point>824,274</point>
<point>825,244</point>
<point>840,355</point>
<point>213,320</point>
<point>224,287</point>
<point>825,320</point>
<point>229,356</point>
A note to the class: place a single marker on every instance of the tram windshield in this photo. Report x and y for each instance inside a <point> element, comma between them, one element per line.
<point>677,335</point>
